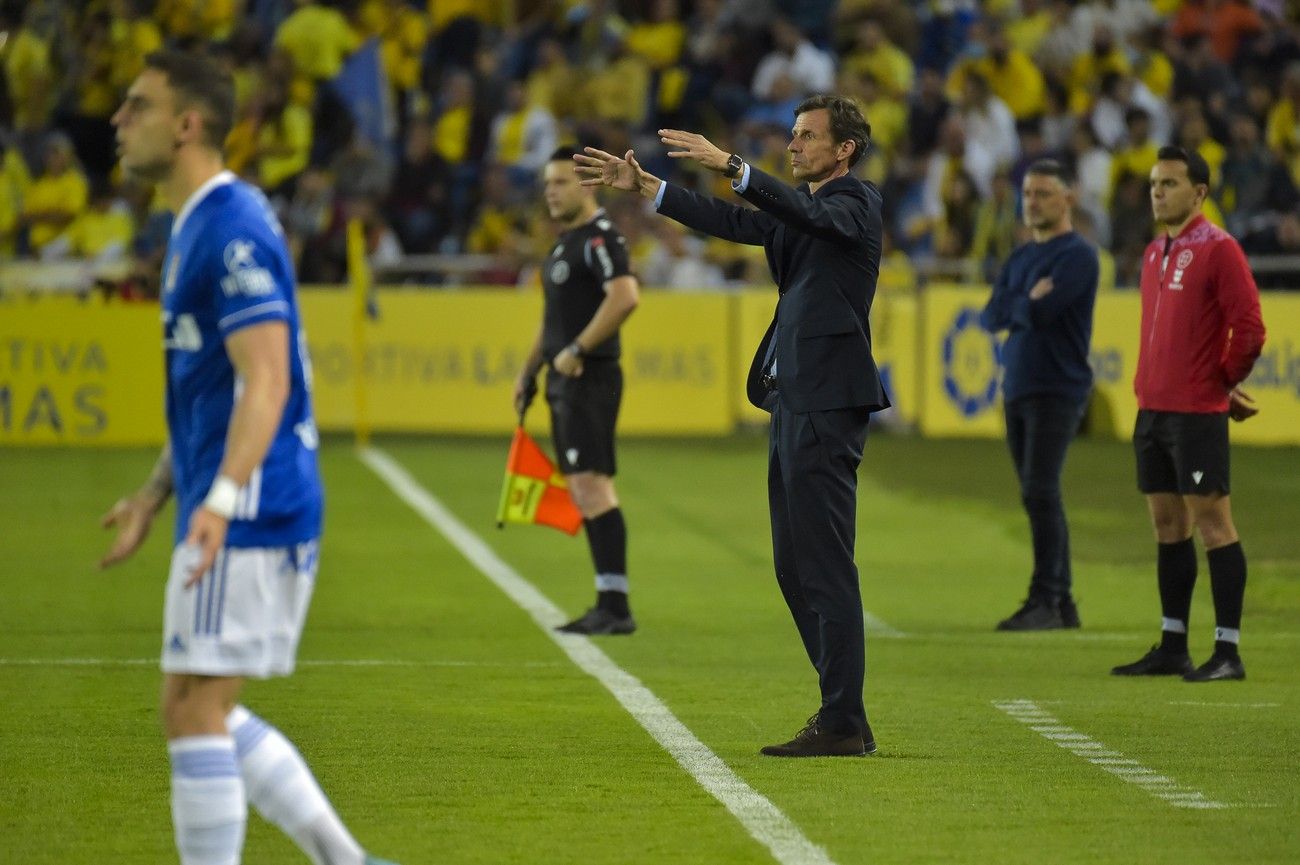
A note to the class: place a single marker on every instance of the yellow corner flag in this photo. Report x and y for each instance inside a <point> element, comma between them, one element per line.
<point>534,492</point>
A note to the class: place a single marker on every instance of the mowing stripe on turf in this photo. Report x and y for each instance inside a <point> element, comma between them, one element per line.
<point>766,823</point>
<point>1081,745</point>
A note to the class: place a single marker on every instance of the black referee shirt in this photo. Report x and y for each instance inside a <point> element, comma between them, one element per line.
<point>573,284</point>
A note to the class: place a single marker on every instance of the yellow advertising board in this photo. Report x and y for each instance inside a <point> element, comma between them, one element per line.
<point>753,313</point>
<point>90,373</point>
<point>1275,380</point>
<point>961,368</point>
<point>446,361</point>
<point>80,372</point>
<point>895,319</point>
<point>960,364</point>
<point>1116,326</point>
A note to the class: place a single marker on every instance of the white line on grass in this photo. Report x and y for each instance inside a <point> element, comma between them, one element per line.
<point>320,662</point>
<point>878,626</point>
<point>1225,705</point>
<point>766,823</point>
<point>1081,745</point>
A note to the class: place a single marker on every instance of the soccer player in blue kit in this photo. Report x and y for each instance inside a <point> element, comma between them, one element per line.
<point>241,460</point>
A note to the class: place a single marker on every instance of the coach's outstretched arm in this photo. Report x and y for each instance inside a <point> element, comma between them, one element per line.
<point>841,216</point>
<point>133,515</point>
<point>702,213</point>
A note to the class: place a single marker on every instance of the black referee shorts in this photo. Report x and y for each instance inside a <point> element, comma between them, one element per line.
<point>584,411</point>
<point>1181,453</point>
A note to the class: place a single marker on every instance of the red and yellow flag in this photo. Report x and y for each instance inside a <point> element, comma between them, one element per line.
<point>534,492</point>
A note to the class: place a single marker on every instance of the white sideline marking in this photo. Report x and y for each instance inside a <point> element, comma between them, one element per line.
<point>762,820</point>
<point>1028,713</point>
<point>1225,705</point>
<point>322,662</point>
<point>878,626</point>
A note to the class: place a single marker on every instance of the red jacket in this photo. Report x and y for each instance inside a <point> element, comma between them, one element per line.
<point>1201,327</point>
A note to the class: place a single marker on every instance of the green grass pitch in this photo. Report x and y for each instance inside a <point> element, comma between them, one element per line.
<point>472,738</point>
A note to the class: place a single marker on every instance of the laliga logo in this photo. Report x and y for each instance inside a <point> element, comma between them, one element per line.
<point>972,358</point>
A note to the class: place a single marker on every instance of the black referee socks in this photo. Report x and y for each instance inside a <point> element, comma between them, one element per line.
<point>607,537</point>
<point>1176,574</point>
<point>1228,584</point>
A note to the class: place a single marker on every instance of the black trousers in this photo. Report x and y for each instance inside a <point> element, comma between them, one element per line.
<point>1039,430</point>
<point>812,487</point>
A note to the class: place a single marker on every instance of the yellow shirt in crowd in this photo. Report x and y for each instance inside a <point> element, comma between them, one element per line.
<point>293,134</point>
<point>95,230</point>
<point>451,134</point>
<point>63,193</point>
<point>14,180</point>
<point>30,73</point>
<point>402,33</point>
<point>318,39</point>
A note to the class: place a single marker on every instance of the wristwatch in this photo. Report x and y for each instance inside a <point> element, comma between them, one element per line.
<point>575,348</point>
<point>734,166</point>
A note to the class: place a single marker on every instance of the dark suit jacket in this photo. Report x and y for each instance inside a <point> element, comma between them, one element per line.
<point>824,254</point>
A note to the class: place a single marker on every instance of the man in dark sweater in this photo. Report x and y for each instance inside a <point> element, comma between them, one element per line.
<point>1044,297</point>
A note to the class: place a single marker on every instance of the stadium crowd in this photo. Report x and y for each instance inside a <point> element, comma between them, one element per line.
<point>962,96</point>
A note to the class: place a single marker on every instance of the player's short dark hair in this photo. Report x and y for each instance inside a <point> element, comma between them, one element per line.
<point>847,122</point>
<point>1198,170</point>
<point>563,154</point>
<point>1051,168</point>
<point>199,82</point>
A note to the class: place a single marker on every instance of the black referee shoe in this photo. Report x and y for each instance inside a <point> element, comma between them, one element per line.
<point>1219,668</point>
<point>599,622</point>
<point>1157,662</point>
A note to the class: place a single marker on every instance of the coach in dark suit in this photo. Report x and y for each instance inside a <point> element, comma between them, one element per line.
<point>813,371</point>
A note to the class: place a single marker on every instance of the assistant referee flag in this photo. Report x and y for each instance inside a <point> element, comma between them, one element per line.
<point>534,492</point>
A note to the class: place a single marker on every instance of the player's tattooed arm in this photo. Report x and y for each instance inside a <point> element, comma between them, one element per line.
<point>159,485</point>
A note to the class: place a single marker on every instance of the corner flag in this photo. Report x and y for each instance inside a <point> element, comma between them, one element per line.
<point>533,492</point>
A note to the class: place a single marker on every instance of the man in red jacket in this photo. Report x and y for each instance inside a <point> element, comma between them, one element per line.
<point>1201,333</point>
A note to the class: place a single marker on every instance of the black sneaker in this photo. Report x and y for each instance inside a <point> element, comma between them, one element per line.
<point>1069,613</point>
<point>813,741</point>
<point>1157,662</point>
<point>1218,668</point>
<point>598,621</point>
<point>1033,615</point>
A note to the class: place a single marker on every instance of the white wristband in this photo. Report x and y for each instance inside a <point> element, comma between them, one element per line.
<point>221,498</point>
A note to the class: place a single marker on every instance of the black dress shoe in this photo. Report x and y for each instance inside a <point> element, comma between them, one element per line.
<point>1069,613</point>
<point>1034,615</point>
<point>597,621</point>
<point>1157,662</point>
<point>813,741</point>
<point>1218,668</point>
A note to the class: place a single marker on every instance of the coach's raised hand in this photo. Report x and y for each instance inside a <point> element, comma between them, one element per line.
<point>692,145</point>
<point>598,168</point>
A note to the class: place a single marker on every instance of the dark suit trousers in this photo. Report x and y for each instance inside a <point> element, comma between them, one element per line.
<point>1039,430</point>
<point>812,484</point>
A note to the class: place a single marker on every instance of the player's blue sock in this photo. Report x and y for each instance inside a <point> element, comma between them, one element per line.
<point>209,812</point>
<point>283,790</point>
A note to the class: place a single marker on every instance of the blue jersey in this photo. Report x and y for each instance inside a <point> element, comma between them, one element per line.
<point>227,267</point>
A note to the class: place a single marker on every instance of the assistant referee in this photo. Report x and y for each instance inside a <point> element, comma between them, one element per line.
<point>589,291</point>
